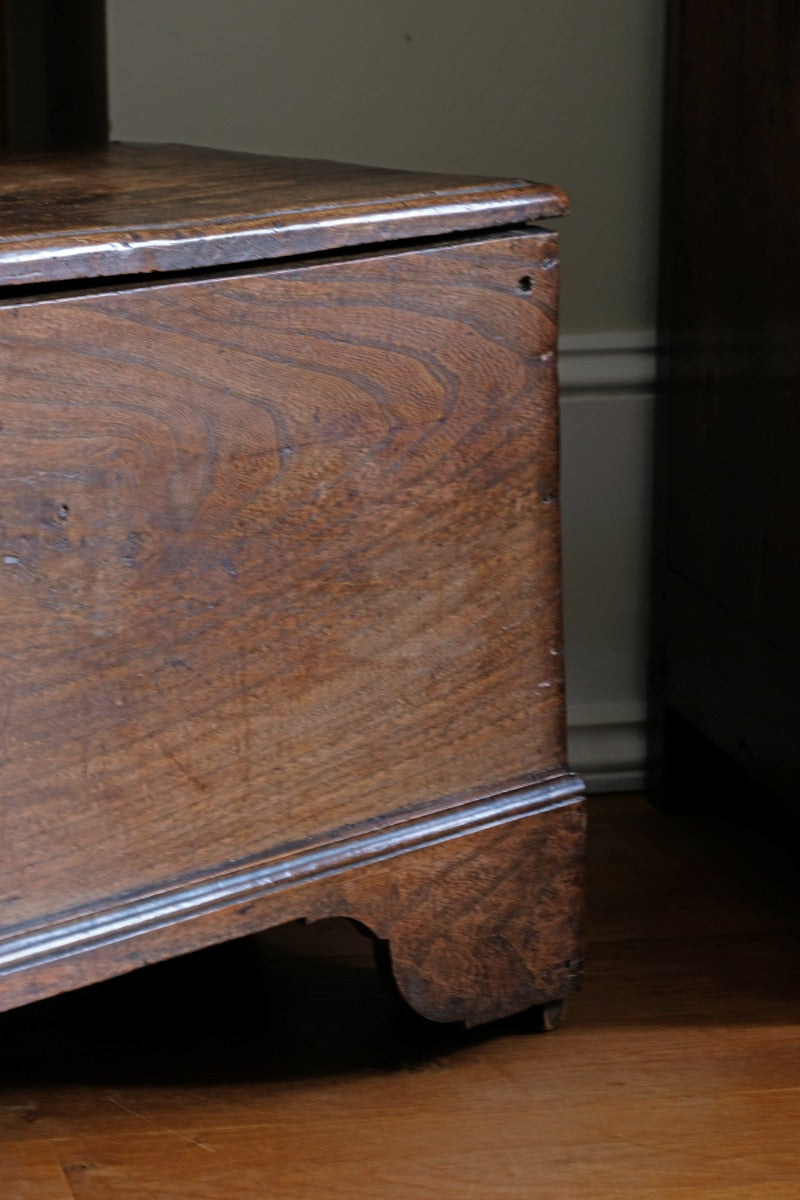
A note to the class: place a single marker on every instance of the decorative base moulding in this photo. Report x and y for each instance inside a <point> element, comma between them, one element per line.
<point>480,902</point>
<point>286,586</point>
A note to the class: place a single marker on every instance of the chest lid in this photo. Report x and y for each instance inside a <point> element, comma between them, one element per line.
<point>123,209</point>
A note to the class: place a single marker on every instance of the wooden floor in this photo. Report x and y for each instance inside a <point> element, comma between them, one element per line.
<point>279,1068</point>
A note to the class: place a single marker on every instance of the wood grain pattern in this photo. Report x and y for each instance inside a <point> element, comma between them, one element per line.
<point>304,546</point>
<point>279,1066</point>
<point>279,869</point>
<point>120,209</point>
<point>281,569</point>
<point>507,911</point>
<point>482,921</point>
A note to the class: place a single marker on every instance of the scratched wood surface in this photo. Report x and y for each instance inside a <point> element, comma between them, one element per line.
<point>281,1067</point>
<point>279,555</point>
<point>123,208</point>
<point>471,926</point>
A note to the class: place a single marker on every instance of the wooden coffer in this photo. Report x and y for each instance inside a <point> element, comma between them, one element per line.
<point>280,607</point>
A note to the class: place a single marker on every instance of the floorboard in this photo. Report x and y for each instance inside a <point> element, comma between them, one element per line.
<point>278,1067</point>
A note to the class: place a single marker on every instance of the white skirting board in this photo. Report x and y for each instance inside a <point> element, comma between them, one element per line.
<point>610,755</point>
<point>607,408</point>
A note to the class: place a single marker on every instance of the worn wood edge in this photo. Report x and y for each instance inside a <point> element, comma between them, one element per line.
<point>491,925</point>
<point>88,254</point>
<point>33,946</point>
<point>56,291</point>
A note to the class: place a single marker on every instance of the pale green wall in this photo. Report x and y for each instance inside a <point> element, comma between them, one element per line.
<point>567,91</point>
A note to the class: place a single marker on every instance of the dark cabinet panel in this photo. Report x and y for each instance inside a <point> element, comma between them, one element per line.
<point>729,407</point>
<point>53,72</point>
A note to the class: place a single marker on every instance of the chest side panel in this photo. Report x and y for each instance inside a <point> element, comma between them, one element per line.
<point>279,556</point>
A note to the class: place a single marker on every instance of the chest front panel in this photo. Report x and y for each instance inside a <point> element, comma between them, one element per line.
<point>279,555</point>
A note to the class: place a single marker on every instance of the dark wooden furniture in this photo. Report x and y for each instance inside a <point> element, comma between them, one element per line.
<point>280,571</point>
<point>728,563</point>
<point>53,72</point>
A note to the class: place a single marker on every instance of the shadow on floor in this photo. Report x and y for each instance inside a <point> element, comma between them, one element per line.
<point>704,908</point>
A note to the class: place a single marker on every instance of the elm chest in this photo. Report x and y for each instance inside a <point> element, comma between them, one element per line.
<point>279,571</point>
